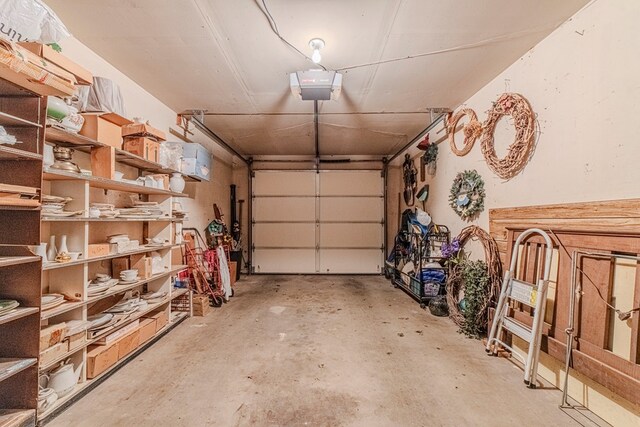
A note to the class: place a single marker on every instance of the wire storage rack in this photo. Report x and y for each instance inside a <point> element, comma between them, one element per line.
<point>418,261</point>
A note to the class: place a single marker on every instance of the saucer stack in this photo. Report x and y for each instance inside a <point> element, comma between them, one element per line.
<point>7,306</point>
<point>100,285</point>
<point>129,276</point>
<point>50,301</point>
<point>53,206</point>
<point>107,210</point>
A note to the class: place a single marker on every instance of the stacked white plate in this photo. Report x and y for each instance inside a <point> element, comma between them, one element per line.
<point>50,301</point>
<point>53,206</point>
<point>100,286</point>
<point>107,210</point>
<point>154,297</point>
<point>140,212</point>
<point>76,326</point>
<point>7,306</point>
<point>100,321</point>
<point>126,306</point>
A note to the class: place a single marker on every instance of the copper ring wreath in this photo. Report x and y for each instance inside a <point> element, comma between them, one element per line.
<point>511,104</point>
<point>472,131</point>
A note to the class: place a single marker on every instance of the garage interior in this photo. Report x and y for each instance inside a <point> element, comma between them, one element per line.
<point>268,212</point>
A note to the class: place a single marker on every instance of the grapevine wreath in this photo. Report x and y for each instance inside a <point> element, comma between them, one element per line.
<point>516,106</point>
<point>467,194</point>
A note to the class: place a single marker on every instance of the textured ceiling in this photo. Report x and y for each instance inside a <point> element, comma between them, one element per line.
<point>222,56</point>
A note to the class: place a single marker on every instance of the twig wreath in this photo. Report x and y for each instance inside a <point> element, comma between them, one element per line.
<point>518,153</point>
<point>467,194</point>
<point>455,278</point>
<point>472,131</point>
<point>518,108</point>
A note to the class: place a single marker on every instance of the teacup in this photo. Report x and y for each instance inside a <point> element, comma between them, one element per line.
<point>75,255</point>
<point>129,274</point>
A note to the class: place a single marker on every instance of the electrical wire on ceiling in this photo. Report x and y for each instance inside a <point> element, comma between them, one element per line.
<point>272,23</point>
<point>485,42</point>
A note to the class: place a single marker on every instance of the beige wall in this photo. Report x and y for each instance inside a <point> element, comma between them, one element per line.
<point>140,103</point>
<point>582,82</point>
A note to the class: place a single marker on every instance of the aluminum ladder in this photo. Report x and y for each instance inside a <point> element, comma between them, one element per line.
<point>530,294</point>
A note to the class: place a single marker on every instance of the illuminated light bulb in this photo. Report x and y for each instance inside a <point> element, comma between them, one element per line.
<point>316,44</point>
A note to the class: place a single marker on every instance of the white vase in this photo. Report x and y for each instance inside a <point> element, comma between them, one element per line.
<point>41,250</point>
<point>52,252</point>
<point>63,245</point>
<point>176,183</point>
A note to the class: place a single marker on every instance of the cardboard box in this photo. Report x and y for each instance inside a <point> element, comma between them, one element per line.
<point>143,130</point>
<point>77,340</point>
<point>160,318</point>
<point>143,264</point>
<point>28,70</point>
<point>100,358</point>
<point>53,352</point>
<point>103,162</point>
<point>117,335</point>
<point>128,343</point>
<point>82,75</point>
<point>144,147</point>
<point>200,305</point>
<point>104,127</point>
<point>118,265</point>
<point>98,249</point>
<point>51,335</point>
<point>124,246</point>
<point>196,161</point>
<point>147,330</point>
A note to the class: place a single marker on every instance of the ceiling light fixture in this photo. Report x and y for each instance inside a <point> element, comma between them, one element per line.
<point>316,44</point>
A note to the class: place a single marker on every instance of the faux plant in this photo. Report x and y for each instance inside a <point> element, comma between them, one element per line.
<point>476,284</point>
<point>431,154</point>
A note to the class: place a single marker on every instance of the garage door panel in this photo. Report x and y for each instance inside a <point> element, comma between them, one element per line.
<point>341,183</point>
<point>351,235</point>
<point>284,260</point>
<point>290,183</point>
<point>285,235</point>
<point>354,261</point>
<point>284,208</point>
<point>351,209</point>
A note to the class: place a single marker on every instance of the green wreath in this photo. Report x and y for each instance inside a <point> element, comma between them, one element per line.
<point>467,194</point>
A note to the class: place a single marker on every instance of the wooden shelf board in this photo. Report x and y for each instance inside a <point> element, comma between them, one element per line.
<point>178,292</point>
<point>62,357</point>
<point>18,313</point>
<point>10,89</point>
<point>16,260</point>
<point>8,152</point>
<point>10,366</point>
<point>106,184</point>
<point>10,120</point>
<point>62,137</point>
<point>142,250</point>
<point>123,288</point>
<point>136,315</point>
<point>83,219</point>
<point>62,308</point>
<point>17,417</point>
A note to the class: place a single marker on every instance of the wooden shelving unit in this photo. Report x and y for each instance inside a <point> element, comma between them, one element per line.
<point>22,114</point>
<point>82,143</point>
<point>72,278</point>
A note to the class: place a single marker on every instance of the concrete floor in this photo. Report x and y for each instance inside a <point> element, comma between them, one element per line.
<point>316,351</point>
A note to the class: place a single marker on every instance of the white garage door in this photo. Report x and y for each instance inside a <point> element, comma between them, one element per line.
<point>328,222</point>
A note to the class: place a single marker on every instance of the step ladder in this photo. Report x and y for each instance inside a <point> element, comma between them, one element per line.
<point>530,294</point>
